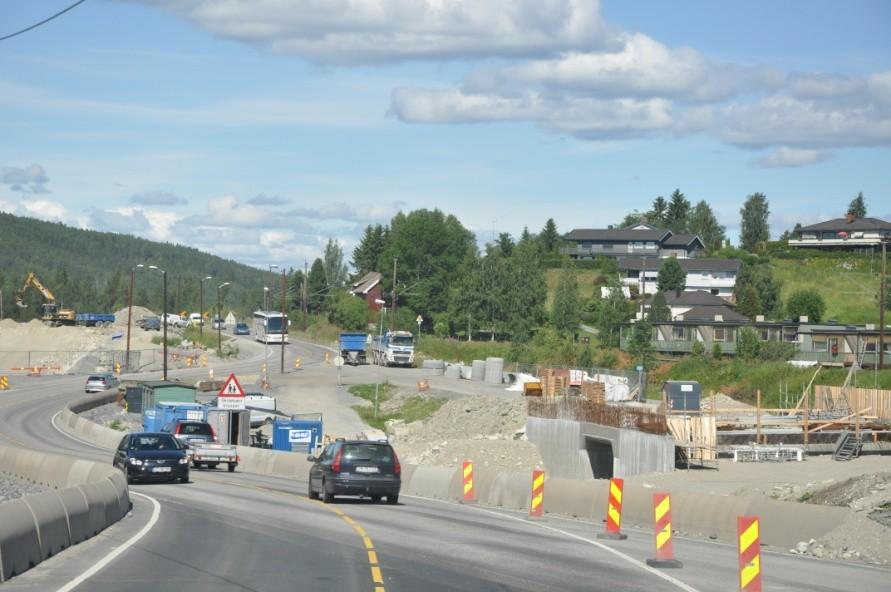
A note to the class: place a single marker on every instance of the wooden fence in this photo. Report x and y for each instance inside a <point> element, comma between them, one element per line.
<point>875,402</point>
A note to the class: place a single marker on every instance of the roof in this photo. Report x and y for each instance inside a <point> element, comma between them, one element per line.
<point>707,314</point>
<point>682,240</point>
<point>616,234</point>
<point>692,298</point>
<point>840,224</point>
<point>153,384</point>
<point>366,283</point>
<point>688,265</point>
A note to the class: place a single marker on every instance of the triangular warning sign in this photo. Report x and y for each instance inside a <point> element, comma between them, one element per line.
<point>232,388</point>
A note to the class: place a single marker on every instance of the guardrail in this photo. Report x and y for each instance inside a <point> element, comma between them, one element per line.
<point>84,498</point>
<point>698,514</point>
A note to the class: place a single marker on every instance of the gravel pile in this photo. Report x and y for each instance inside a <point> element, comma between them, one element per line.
<point>722,401</point>
<point>487,430</point>
<point>13,487</point>
<point>113,416</point>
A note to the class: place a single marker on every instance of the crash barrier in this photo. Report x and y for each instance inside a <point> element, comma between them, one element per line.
<point>4,383</point>
<point>662,522</point>
<point>536,501</point>
<point>82,499</point>
<point>614,511</point>
<point>783,524</point>
<point>468,496</point>
<point>749,546</point>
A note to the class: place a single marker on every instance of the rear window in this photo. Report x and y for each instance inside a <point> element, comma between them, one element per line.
<point>96,379</point>
<point>195,429</point>
<point>154,442</point>
<point>380,453</point>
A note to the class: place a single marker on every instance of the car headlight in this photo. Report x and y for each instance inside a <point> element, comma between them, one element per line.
<point>184,460</point>
<point>135,461</point>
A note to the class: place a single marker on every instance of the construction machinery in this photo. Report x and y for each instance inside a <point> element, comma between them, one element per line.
<point>50,312</point>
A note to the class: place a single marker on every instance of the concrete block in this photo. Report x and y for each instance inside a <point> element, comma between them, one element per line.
<point>19,539</point>
<point>52,522</point>
<point>580,499</point>
<point>433,482</point>
<point>511,490</point>
<point>99,498</point>
<point>78,514</point>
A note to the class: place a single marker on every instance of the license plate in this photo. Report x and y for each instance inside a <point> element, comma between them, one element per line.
<point>367,470</point>
<point>161,470</point>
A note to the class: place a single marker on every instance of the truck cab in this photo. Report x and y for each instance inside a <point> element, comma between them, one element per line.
<point>394,348</point>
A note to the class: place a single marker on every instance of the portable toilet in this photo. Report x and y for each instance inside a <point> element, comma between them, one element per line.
<point>296,435</point>
<point>167,411</point>
<point>232,426</point>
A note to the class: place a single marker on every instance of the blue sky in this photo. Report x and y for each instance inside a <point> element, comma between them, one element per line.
<point>257,130</point>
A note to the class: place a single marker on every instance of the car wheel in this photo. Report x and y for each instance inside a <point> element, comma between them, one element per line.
<point>393,499</point>
<point>184,478</point>
<point>129,480</point>
<point>310,492</point>
<point>376,498</point>
<point>231,467</point>
<point>211,465</point>
<point>327,496</point>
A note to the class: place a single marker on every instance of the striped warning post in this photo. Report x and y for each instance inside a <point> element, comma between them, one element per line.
<point>749,537</point>
<point>469,496</point>
<point>536,504</point>
<point>614,512</point>
<point>4,383</point>
<point>664,546</point>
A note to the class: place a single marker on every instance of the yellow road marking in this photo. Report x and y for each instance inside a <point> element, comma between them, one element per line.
<point>376,575</point>
<point>372,558</point>
<point>368,543</point>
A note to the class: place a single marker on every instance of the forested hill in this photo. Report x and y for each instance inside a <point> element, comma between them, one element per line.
<point>90,271</point>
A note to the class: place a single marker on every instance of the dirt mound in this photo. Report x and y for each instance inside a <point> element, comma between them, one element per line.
<point>139,312</point>
<point>865,492</point>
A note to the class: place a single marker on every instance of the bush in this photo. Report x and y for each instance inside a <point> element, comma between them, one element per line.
<point>776,351</point>
<point>699,348</point>
<point>717,352</point>
<point>748,344</point>
<point>806,302</point>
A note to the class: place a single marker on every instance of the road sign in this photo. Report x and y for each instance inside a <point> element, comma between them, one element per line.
<point>230,403</point>
<point>419,320</point>
<point>232,388</point>
<point>338,361</point>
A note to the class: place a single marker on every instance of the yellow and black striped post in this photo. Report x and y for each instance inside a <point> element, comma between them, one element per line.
<point>664,546</point>
<point>536,503</point>
<point>749,536</point>
<point>297,364</point>
<point>4,383</point>
<point>469,496</point>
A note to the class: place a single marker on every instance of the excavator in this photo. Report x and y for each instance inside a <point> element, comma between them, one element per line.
<point>51,313</point>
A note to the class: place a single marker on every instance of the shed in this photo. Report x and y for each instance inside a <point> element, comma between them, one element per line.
<point>157,391</point>
<point>681,395</point>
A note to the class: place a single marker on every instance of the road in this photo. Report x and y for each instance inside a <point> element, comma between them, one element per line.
<point>246,532</point>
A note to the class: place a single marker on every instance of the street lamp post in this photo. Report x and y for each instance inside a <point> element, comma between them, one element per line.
<point>219,315</point>
<point>201,305</point>
<point>266,289</point>
<point>130,310</point>
<point>377,385</point>
<point>163,316</point>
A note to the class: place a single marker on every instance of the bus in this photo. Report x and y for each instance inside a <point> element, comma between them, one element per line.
<point>271,326</point>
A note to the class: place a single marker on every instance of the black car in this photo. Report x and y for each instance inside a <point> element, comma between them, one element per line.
<point>150,323</point>
<point>152,456</point>
<point>356,467</point>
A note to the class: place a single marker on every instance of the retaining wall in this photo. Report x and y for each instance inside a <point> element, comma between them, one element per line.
<point>782,523</point>
<point>84,498</point>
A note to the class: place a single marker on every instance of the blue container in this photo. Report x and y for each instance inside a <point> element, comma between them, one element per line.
<point>163,413</point>
<point>296,435</point>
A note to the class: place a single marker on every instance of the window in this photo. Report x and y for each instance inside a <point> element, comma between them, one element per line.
<point>870,345</point>
<point>764,333</point>
<point>720,334</point>
<point>829,235</point>
<point>820,343</point>
<point>790,334</point>
<point>608,246</point>
<point>679,333</point>
<point>714,291</point>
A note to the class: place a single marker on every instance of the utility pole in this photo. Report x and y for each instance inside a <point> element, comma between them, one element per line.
<point>305,303</point>
<point>393,298</point>
<point>882,303</point>
<point>284,322</point>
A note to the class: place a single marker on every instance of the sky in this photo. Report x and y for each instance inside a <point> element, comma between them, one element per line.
<point>257,130</point>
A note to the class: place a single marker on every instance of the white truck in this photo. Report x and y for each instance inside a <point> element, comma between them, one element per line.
<point>394,348</point>
<point>203,448</point>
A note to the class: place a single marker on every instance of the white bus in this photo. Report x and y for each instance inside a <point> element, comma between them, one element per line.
<point>271,326</point>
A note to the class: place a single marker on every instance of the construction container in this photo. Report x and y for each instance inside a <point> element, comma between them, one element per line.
<point>133,397</point>
<point>296,435</point>
<point>681,395</point>
<point>232,426</point>
<point>154,419</point>
<point>154,391</point>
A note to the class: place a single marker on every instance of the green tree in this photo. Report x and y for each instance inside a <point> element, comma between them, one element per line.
<point>640,345</point>
<point>348,312</point>
<point>613,314</point>
<point>336,272</point>
<point>747,301</point>
<point>505,244</point>
<point>657,213</point>
<point>754,228</point>
<point>857,207</point>
<point>806,302</point>
<point>633,219</point>
<point>748,345</point>
<point>566,313</point>
<point>766,287</point>
<point>698,349</point>
<point>678,212</point>
<point>526,236</point>
<point>526,307</point>
<point>659,310</point>
<point>317,287</point>
<point>549,238</point>
<point>671,276</point>
<point>367,254</point>
<point>704,224</point>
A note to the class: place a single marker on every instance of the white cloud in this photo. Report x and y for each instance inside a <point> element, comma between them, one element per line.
<point>9,207</point>
<point>47,210</point>
<point>363,213</point>
<point>29,179</point>
<point>369,31</point>
<point>792,157</point>
<point>158,198</point>
<point>268,200</point>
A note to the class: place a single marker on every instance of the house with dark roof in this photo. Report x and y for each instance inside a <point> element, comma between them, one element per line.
<point>699,304</point>
<point>368,287</point>
<point>641,240</point>
<point>847,233</point>
<point>715,276</point>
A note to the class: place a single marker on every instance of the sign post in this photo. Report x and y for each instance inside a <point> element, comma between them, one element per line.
<point>338,363</point>
<point>231,396</point>
<point>419,320</point>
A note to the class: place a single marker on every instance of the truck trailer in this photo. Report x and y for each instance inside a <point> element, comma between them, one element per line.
<point>352,347</point>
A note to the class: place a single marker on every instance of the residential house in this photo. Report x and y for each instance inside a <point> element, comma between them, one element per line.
<point>680,303</point>
<point>831,343</point>
<point>715,276</point>
<point>368,287</point>
<point>640,240</point>
<point>847,233</point>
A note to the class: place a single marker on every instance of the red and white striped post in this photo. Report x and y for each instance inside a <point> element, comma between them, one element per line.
<point>536,503</point>
<point>469,496</point>
<point>614,512</point>
<point>664,546</point>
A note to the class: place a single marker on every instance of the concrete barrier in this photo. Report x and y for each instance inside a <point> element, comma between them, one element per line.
<point>783,523</point>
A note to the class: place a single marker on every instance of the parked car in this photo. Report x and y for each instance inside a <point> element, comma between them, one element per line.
<point>242,329</point>
<point>203,447</point>
<point>174,320</point>
<point>218,323</point>
<point>356,467</point>
<point>152,456</point>
<point>150,323</point>
<point>96,383</point>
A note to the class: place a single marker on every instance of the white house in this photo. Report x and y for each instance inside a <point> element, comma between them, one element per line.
<point>843,234</point>
<point>715,276</point>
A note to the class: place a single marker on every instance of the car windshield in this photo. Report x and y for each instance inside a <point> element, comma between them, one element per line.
<point>199,429</point>
<point>401,340</point>
<point>378,453</point>
<point>153,442</point>
<point>273,324</point>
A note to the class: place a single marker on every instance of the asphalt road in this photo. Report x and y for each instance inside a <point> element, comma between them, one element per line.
<point>247,532</point>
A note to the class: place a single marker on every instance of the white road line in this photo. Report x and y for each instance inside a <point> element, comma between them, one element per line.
<point>75,438</point>
<point>619,554</point>
<point>156,512</point>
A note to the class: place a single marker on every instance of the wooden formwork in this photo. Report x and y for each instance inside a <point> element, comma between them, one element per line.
<point>871,402</point>
<point>695,431</point>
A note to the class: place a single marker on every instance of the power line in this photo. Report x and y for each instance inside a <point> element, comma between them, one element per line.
<point>43,22</point>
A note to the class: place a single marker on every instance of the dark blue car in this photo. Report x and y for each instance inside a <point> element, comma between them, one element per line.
<point>152,456</point>
<point>242,329</point>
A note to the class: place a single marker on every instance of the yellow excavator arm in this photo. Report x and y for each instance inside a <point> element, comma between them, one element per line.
<point>33,281</point>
